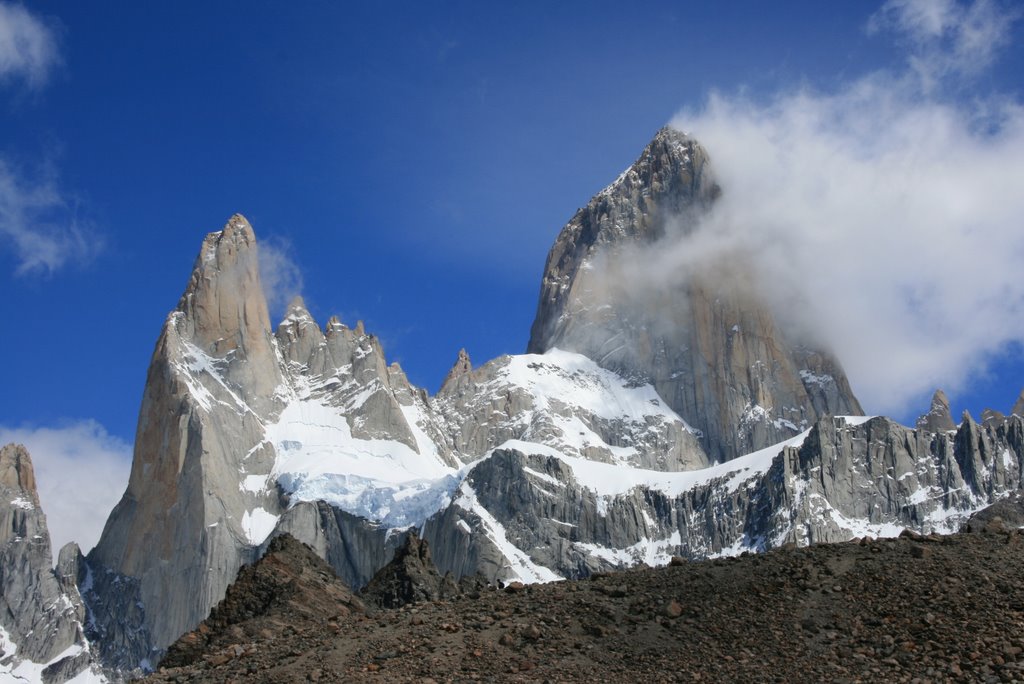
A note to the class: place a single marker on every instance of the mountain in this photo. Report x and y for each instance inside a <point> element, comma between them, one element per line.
<point>244,432</point>
<point>710,345</point>
<point>642,424</point>
<point>41,612</point>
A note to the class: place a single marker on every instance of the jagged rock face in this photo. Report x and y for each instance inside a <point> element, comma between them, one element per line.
<point>710,346</point>
<point>226,402</point>
<point>836,482</point>
<point>1004,515</point>
<point>345,369</point>
<point>355,547</point>
<point>41,612</point>
<point>567,402</point>
<point>530,467</point>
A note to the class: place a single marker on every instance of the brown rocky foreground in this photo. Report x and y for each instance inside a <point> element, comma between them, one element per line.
<point>913,609</point>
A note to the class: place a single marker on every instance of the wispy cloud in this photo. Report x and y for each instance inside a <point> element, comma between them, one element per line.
<point>39,224</point>
<point>947,37</point>
<point>279,274</point>
<point>81,472</point>
<point>882,218</point>
<point>28,47</point>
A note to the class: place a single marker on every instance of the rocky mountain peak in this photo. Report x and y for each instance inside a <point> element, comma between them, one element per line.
<point>289,590</point>
<point>411,576</point>
<point>708,342</point>
<point>991,414</point>
<point>40,615</point>
<point>224,305</point>
<point>938,418</point>
<point>16,472</point>
<point>297,309</point>
<point>298,335</point>
<point>461,367</point>
<point>334,325</point>
<point>1018,406</point>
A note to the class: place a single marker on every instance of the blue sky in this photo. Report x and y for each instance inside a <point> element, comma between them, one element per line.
<point>409,165</point>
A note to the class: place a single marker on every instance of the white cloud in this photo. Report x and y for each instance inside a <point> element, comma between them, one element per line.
<point>39,224</point>
<point>81,472</point>
<point>948,38</point>
<point>36,221</point>
<point>28,48</point>
<point>279,274</point>
<point>885,220</point>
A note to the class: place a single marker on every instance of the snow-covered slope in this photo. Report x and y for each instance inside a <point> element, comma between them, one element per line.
<point>567,402</point>
<point>558,401</point>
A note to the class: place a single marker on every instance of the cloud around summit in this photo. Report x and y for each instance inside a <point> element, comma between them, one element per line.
<point>885,216</point>
<point>81,472</point>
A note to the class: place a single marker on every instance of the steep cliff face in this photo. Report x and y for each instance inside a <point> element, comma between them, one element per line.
<point>184,525</point>
<point>706,341</point>
<point>41,612</point>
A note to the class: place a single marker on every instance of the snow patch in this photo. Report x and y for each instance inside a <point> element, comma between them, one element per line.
<point>611,480</point>
<point>254,483</point>
<point>257,525</point>
<point>652,552</point>
<point>29,672</point>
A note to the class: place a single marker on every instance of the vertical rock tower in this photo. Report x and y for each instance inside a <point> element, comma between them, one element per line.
<point>184,525</point>
<point>710,346</point>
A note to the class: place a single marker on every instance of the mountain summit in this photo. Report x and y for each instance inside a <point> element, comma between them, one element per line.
<point>41,612</point>
<point>651,419</point>
<point>710,346</point>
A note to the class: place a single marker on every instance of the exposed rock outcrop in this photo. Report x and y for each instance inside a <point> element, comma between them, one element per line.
<point>709,344</point>
<point>938,418</point>
<point>1018,406</point>
<point>567,402</point>
<point>1003,516</point>
<point>410,577</point>
<point>289,590</point>
<point>459,369</point>
<point>41,612</point>
<point>355,547</point>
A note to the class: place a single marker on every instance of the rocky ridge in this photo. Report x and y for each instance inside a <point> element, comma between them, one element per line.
<point>289,590</point>
<point>942,608</point>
